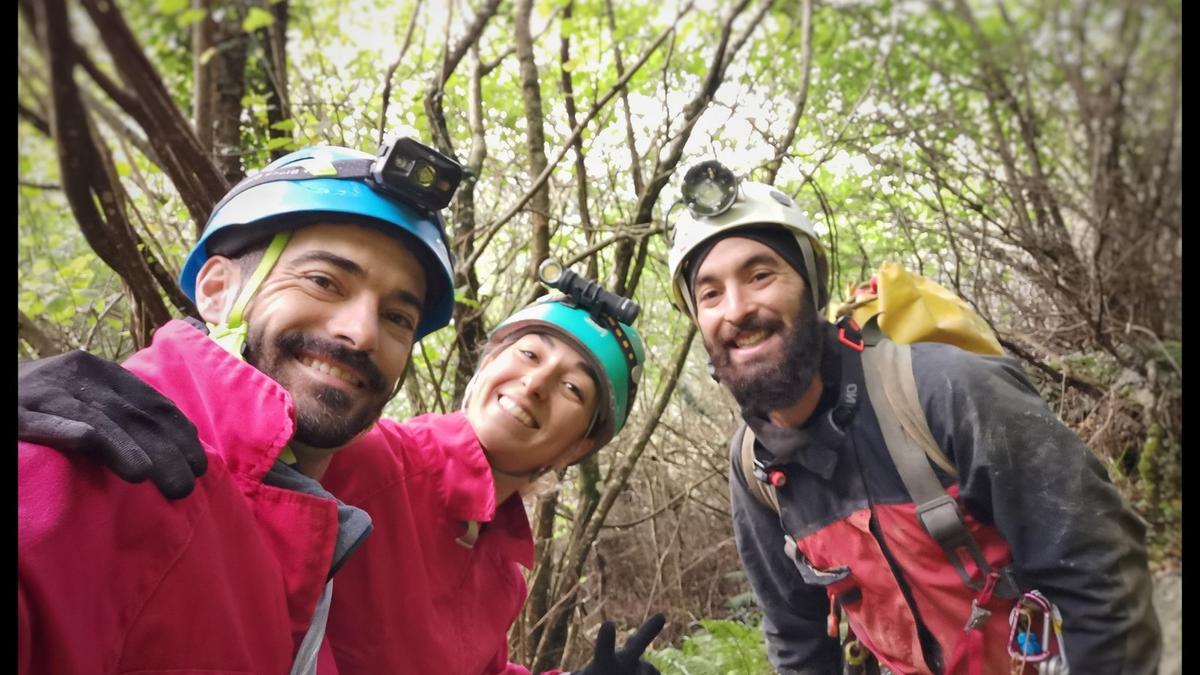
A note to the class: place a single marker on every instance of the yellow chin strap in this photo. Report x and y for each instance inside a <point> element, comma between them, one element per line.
<point>231,334</point>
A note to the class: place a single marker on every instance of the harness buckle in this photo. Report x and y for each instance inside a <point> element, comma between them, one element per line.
<point>856,333</point>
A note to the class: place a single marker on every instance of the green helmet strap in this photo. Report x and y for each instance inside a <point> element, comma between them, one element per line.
<point>231,333</point>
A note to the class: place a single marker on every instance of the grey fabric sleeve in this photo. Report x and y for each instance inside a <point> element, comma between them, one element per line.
<point>794,613</point>
<point>1025,472</point>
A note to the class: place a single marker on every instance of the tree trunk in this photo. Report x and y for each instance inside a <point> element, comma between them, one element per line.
<point>195,176</point>
<point>95,201</point>
<point>273,39</point>
<point>202,75</point>
<point>535,139</point>
<point>230,86</point>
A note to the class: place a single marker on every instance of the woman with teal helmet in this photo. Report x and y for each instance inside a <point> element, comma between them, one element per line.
<point>556,382</point>
<point>331,183</point>
<point>438,583</point>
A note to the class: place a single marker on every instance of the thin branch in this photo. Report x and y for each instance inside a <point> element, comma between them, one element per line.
<point>512,211</point>
<point>38,186</point>
<point>387,78</point>
<point>687,491</point>
<point>33,117</point>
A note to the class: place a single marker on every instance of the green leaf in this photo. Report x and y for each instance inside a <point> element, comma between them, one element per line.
<point>172,6</point>
<point>123,168</point>
<point>284,125</point>
<point>61,309</point>
<point>460,295</point>
<point>190,17</point>
<point>257,18</point>
<point>251,100</point>
<point>276,143</point>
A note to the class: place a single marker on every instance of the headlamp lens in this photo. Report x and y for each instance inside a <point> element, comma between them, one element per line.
<point>709,189</point>
<point>425,175</point>
<point>550,271</point>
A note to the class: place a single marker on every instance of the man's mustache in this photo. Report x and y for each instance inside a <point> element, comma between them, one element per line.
<point>295,343</point>
<point>729,332</point>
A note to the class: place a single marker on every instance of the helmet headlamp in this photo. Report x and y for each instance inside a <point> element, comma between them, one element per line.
<point>587,294</point>
<point>416,173</point>
<point>406,169</point>
<point>709,189</point>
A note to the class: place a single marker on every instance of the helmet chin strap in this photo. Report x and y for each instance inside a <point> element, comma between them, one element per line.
<point>232,332</point>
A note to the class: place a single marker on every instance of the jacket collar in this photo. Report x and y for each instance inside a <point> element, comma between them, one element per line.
<point>468,491</point>
<point>243,416</point>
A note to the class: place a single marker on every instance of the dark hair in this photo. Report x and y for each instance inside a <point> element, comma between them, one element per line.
<point>249,257</point>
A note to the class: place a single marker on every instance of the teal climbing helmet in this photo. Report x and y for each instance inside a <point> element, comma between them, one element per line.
<point>328,183</point>
<point>614,349</point>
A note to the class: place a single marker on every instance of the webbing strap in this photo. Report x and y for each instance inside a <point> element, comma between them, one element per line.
<point>305,662</point>
<point>743,441</point>
<point>893,390</point>
<point>231,333</point>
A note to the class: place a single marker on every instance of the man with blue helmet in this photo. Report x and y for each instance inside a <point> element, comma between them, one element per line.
<point>314,277</point>
<point>317,282</point>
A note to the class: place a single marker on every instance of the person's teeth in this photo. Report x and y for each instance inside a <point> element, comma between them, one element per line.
<point>516,411</point>
<point>331,370</point>
<point>751,339</point>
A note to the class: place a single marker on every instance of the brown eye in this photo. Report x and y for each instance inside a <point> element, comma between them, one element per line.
<point>320,280</point>
<point>399,319</point>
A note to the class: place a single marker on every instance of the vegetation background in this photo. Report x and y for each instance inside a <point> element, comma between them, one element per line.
<point>1026,154</point>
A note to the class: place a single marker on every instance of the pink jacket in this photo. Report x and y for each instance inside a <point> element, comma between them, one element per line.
<point>412,599</point>
<point>113,578</point>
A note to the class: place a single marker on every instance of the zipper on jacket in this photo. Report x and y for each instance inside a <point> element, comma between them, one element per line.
<point>930,648</point>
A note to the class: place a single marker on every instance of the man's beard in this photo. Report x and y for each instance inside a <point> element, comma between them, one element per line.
<point>773,383</point>
<point>326,416</point>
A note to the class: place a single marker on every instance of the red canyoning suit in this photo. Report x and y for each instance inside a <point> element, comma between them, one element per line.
<point>414,599</point>
<point>113,578</point>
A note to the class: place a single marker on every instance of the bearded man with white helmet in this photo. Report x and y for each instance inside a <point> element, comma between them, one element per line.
<point>846,539</point>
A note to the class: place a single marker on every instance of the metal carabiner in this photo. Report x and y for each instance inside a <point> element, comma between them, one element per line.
<point>1023,642</point>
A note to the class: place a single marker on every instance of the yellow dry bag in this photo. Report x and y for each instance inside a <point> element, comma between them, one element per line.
<point>909,308</point>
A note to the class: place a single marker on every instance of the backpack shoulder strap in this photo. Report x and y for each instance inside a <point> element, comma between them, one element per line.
<point>892,387</point>
<point>897,381</point>
<point>742,446</point>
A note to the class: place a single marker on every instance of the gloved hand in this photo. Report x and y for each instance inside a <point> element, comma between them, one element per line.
<point>628,661</point>
<point>79,403</point>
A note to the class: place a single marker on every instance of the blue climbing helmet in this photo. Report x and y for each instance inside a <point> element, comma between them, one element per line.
<point>613,349</point>
<point>330,183</point>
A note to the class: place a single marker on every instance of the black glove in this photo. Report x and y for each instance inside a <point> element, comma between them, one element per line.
<point>628,661</point>
<point>79,403</point>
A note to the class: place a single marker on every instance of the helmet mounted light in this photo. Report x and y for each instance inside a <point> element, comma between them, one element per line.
<point>416,173</point>
<point>587,294</point>
<point>597,323</point>
<point>709,189</point>
<point>407,169</point>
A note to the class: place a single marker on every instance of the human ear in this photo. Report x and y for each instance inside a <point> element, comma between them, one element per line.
<point>217,286</point>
